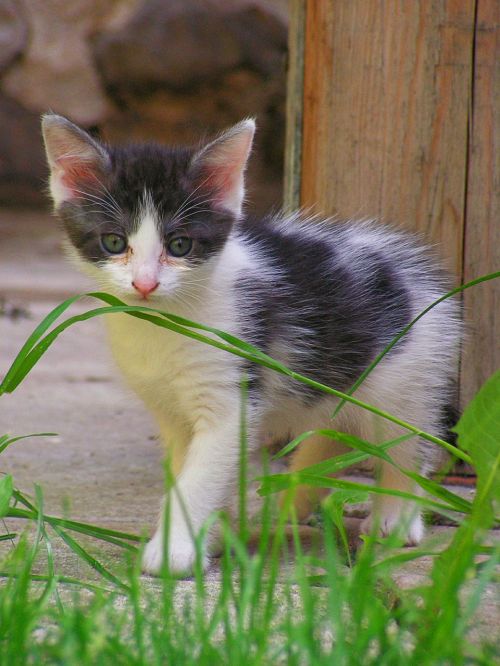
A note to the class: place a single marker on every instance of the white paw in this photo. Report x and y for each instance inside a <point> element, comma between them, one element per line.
<point>182,557</point>
<point>410,528</point>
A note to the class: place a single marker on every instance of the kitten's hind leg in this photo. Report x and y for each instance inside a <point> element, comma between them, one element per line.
<point>312,450</point>
<point>391,514</point>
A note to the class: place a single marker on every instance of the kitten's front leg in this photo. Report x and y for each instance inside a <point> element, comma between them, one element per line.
<point>203,486</point>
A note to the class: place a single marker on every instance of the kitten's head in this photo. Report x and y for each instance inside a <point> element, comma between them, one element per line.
<point>145,219</point>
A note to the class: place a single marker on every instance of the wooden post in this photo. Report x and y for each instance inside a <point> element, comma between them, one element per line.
<point>294,106</point>
<point>398,123</point>
<point>482,224</point>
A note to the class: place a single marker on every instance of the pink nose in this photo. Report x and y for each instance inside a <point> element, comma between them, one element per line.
<point>145,287</point>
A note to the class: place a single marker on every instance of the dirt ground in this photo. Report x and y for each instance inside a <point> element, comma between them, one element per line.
<point>104,464</point>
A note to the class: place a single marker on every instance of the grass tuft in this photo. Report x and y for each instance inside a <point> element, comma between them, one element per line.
<point>270,599</point>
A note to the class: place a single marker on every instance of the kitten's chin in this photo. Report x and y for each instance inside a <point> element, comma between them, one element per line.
<point>156,299</point>
<point>134,298</point>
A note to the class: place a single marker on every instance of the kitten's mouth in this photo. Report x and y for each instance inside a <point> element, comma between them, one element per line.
<point>144,297</point>
<point>135,298</point>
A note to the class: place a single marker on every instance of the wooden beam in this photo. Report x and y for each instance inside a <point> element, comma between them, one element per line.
<point>396,115</point>
<point>386,102</point>
<point>294,105</point>
<point>482,230</point>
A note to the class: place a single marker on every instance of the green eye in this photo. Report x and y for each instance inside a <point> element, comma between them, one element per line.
<point>180,246</point>
<point>113,243</point>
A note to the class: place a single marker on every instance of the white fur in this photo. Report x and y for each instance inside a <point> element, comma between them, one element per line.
<point>193,389</point>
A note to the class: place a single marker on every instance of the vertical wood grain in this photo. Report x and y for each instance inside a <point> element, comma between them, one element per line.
<point>482,231</point>
<point>386,103</point>
<point>294,106</point>
<point>401,121</point>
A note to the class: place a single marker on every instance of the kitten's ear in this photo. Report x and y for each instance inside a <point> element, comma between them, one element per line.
<point>76,160</point>
<point>220,166</point>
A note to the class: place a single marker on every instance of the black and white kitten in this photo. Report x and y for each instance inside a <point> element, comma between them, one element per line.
<point>324,298</point>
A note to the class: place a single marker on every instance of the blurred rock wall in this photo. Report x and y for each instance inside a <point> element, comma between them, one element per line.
<point>168,70</point>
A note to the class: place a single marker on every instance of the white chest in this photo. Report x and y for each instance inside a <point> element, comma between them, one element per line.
<point>169,370</point>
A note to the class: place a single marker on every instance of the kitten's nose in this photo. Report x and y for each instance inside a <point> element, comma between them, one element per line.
<point>145,286</point>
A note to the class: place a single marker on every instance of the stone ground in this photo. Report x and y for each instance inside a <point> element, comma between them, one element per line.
<point>104,464</point>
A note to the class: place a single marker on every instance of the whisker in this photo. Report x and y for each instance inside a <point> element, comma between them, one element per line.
<point>112,199</point>
<point>100,200</point>
<point>187,200</point>
<point>112,226</point>
<point>101,210</point>
<point>194,204</point>
<point>194,213</point>
<point>184,203</point>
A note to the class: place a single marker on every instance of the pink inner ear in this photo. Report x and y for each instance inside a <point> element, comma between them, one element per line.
<point>220,181</point>
<point>74,172</point>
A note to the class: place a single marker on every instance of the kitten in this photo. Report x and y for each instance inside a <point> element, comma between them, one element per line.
<point>164,227</point>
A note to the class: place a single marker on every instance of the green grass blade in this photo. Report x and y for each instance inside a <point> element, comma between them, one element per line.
<point>33,339</point>
<point>389,563</point>
<point>111,536</point>
<point>67,580</point>
<point>79,550</point>
<point>479,433</point>
<point>455,502</point>
<point>6,492</point>
<point>167,321</point>
<point>338,463</point>
<point>397,338</point>
<point>20,497</point>
<point>294,443</point>
<point>189,324</point>
<point>334,505</point>
<point>278,482</point>
<point>51,585</point>
<point>26,363</point>
<point>6,441</point>
<point>486,575</point>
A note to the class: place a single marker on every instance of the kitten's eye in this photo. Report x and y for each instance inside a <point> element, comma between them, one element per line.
<point>113,243</point>
<point>180,246</point>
